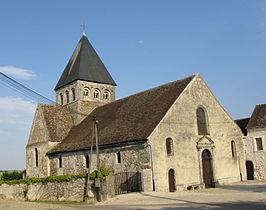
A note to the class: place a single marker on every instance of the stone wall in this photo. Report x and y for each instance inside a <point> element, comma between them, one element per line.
<point>133,158</point>
<point>258,158</point>
<point>85,103</point>
<point>180,124</point>
<point>54,191</point>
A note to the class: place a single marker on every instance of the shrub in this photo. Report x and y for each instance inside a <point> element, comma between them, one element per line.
<point>13,175</point>
<point>102,173</point>
<point>28,181</point>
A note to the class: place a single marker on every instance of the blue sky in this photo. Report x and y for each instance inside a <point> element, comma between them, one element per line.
<point>143,43</point>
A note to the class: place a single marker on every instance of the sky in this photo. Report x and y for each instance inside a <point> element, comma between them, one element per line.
<point>143,44</point>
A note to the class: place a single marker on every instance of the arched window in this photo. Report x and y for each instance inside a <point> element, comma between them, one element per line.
<point>202,122</point>
<point>73,94</point>
<point>86,92</point>
<point>36,157</point>
<point>96,94</point>
<point>61,99</point>
<point>106,95</point>
<point>233,149</point>
<point>87,160</point>
<point>169,147</point>
<point>67,96</point>
<point>118,157</point>
<point>60,161</point>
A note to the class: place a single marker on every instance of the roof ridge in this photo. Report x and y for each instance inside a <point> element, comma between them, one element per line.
<point>154,88</point>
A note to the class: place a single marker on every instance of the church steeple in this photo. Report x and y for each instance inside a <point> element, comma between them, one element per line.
<point>85,83</point>
<point>86,65</point>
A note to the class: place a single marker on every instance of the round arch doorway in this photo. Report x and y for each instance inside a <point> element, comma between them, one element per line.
<point>171,180</point>
<point>207,170</point>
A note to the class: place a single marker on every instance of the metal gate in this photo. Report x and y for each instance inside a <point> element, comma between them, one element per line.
<point>126,182</point>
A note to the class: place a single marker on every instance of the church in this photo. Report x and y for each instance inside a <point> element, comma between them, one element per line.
<point>176,136</point>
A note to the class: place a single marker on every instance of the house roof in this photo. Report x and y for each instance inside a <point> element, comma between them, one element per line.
<point>126,120</point>
<point>258,117</point>
<point>58,121</point>
<point>242,124</point>
<point>85,64</point>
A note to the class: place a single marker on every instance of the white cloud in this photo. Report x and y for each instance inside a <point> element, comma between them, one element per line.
<point>15,111</point>
<point>19,73</point>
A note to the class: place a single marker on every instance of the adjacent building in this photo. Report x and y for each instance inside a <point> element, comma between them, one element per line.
<point>254,138</point>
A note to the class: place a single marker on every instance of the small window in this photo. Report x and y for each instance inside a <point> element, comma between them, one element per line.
<point>169,147</point>
<point>60,161</point>
<point>259,145</point>
<point>87,160</point>
<point>61,99</point>
<point>106,95</point>
<point>73,94</point>
<point>202,122</point>
<point>36,157</point>
<point>96,94</point>
<point>118,155</point>
<point>233,149</point>
<point>67,97</point>
<point>86,92</point>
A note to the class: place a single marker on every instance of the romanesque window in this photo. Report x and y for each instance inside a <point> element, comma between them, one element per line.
<point>259,144</point>
<point>169,147</point>
<point>60,161</point>
<point>36,157</point>
<point>202,122</point>
<point>67,96</point>
<point>233,149</point>
<point>118,157</point>
<point>87,160</point>
<point>106,95</point>
<point>86,92</point>
<point>73,94</point>
<point>96,94</point>
<point>61,99</point>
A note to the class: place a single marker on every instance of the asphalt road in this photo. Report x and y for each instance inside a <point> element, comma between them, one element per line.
<point>247,195</point>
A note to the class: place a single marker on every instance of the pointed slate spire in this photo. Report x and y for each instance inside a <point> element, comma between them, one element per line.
<point>85,64</point>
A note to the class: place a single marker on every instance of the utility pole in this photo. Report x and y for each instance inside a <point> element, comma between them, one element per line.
<point>97,181</point>
<point>96,142</point>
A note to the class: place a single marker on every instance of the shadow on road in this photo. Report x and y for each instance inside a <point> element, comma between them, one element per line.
<point>247,187</point>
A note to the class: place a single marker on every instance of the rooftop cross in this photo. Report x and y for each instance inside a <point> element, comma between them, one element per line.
<point>84,28</point>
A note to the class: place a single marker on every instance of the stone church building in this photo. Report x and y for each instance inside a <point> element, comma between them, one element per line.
<point>177,135</point>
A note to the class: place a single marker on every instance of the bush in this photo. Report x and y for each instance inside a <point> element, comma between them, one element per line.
<point>102,173</point>
<point>13,175</point>
<point>28,181</point>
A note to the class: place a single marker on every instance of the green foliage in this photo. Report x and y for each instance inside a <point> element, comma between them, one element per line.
<point>102,173</point>
<point>28,181</point>
<point>11,175</point>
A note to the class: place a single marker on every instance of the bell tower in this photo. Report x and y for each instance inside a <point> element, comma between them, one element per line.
<point>85,83</point>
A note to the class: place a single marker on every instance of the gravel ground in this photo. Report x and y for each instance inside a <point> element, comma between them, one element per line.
<point>246,195</point>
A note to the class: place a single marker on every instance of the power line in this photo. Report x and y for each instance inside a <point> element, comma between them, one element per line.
<point>16,86</point>
<point>29,93</point>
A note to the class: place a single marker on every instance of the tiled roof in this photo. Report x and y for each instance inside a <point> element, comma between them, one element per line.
<point>58,121</point>
<point>130,119</point>
<point>258,117</point>
<point>242,124</point>
<point>85,64</point>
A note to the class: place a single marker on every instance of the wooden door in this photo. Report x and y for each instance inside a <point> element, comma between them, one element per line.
<point>250,170</point>
<point>171,179</point>
<point>207,168</point>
